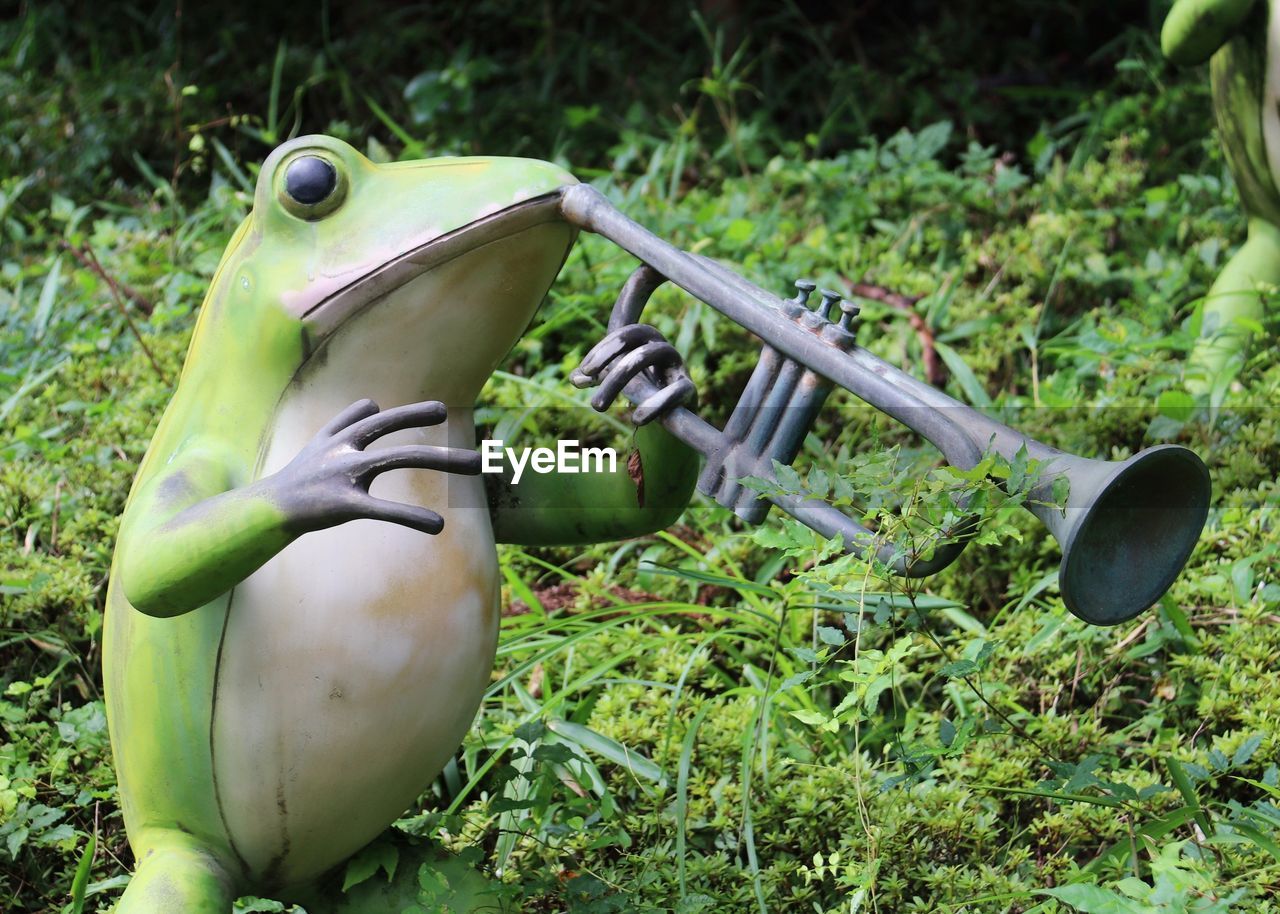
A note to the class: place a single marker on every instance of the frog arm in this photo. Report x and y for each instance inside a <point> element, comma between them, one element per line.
<point>195,529</point>
<point>1194,29</point>
<point>1234,306</point>
<point>647,491</point>
<point>190,534</point>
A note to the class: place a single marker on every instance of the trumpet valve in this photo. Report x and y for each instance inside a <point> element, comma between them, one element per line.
<point>848,311</point>
<point>800,303</point>
<point>829,298</point>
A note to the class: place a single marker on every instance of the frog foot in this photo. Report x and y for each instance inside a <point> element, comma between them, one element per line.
<point>327,483</point>
<point>176,874</point>
<point>636,352</point>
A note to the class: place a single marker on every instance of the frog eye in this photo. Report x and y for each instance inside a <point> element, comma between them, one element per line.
<point>312,186</point>
<point>310,179</point>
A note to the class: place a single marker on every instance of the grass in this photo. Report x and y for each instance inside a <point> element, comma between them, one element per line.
<point>709,718</point>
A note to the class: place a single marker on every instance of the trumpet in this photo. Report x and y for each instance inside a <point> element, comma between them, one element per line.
<point>1126,528</point>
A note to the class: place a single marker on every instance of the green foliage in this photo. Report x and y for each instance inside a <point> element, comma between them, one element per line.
<point>708,718</point>
<point>1178,885</point>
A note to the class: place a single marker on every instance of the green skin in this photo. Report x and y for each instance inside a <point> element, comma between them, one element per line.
<point>1233,36</point>
<point>207,510</point>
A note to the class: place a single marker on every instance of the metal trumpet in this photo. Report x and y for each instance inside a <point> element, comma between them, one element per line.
<point>1126,530</point>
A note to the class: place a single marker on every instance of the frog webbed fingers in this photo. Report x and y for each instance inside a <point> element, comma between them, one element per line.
<point>394,512</point>
<point>613,345</point>
<point>361,409</point>
<point>636,353</point>
<point>328,482</point>
<point>458,460</point>
<point>1195,29</point>
<point>411,415</point>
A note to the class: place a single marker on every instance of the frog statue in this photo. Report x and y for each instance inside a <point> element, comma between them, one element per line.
<point>303,607</point>
<point>1240,39</point>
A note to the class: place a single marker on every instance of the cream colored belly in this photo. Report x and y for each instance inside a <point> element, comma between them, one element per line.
<point>352,666</point>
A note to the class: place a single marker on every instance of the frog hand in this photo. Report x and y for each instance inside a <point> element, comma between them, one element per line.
<point>1195,29</point>
<point>636,360</point>
<point>327,483</point>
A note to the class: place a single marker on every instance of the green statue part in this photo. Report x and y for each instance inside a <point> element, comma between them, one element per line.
<point>1237,36</point>
<point>303,606</point>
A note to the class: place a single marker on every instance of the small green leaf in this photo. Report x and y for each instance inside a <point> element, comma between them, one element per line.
<point>738,232</point>
<point>433,887</point>
<point>1061,490</point>
<point>706,577</point>
<point>1177,405</point>
<point>829,635</point>
<point>15,841</point>
<point>81,880</point>
<point>963,375</point>
<point>377,856</point>
<point>1018,470</point>
<point>958,668</point>
<point>1094,899</point>
<point>1242,579</point>
<point>48,295</point>
<point>531,732</point>
<point>1257,837</point>
<point>771,537</point>
<point>1183,783</point>
<point>812,718</point>
<point>875,690</point>
<point>788,479</point>
<point>694,904</point>
<point>614,751</point>
<point>792,681</point>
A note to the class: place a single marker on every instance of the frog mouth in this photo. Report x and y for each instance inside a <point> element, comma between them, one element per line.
<point>345,300</point>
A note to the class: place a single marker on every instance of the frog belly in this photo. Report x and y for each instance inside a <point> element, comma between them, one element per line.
<point>351,667</point>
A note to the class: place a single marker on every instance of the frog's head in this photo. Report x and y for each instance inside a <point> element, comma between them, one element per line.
<point>434,265</point>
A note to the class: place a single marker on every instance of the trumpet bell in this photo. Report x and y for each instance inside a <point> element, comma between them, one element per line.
<point>1127,529</point>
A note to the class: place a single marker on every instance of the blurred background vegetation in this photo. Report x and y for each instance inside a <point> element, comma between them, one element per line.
<point>704,719</point>
<point>93,87</point>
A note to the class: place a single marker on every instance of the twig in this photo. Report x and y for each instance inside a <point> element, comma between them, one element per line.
<point>124,311</point>
<point>143,304</point>
<point>175,95</point>
<point>57,506</point>
<point>981,696</point>
<point>934,371</point>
